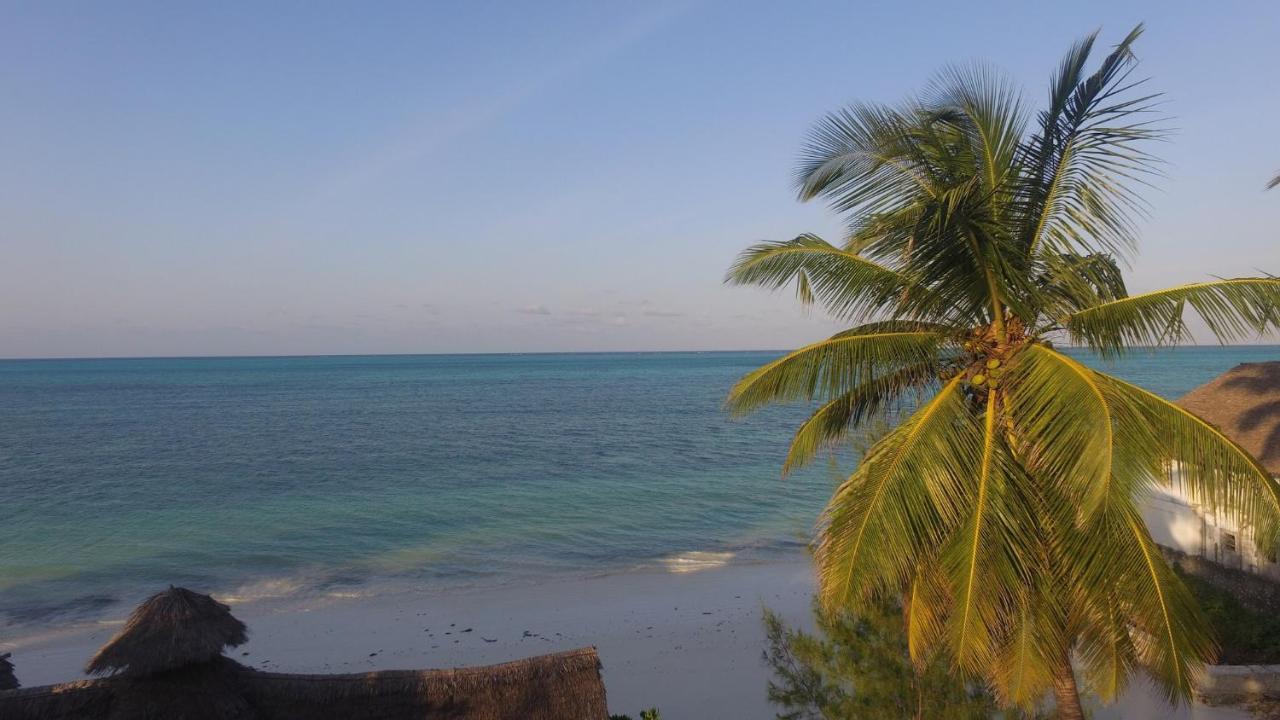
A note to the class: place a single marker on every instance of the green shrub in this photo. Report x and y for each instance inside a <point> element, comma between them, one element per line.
<point>858,667</point>
<point>650,714</point>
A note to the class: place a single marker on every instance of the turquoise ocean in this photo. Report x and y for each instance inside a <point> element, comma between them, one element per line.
<point>293,477</point>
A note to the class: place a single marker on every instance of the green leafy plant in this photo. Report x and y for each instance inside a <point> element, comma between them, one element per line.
<point>859,667</point>
<point>1003,510</point>
<point>650,714</point>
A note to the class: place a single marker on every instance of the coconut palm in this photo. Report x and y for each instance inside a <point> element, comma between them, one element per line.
<point>1003,510</point>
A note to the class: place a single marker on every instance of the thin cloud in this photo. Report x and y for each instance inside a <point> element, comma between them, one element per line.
<point>424,139</point>
<point>662,314</point>
<point>534,310</point>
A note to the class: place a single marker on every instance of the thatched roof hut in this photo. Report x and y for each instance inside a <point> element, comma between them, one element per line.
<point>562,686</point>
<point>8,681</point>
<point>171,629</point>
<point>1244,403</point>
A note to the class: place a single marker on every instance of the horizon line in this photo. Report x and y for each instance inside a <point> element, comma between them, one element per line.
<point>1139,348</point>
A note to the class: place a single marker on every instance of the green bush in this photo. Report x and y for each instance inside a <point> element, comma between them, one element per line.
<point>650,714</point>
<point>858,667</point>
<point>1246,636</point>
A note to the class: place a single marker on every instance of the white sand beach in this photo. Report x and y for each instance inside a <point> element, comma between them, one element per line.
<point>689,643</point>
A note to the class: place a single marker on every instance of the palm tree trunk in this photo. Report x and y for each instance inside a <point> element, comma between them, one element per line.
<point>1066,695</point>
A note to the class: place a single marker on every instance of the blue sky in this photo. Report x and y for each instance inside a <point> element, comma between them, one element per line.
<point>297,178</point>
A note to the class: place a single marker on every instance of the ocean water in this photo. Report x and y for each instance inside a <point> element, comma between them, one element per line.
<point>292,477</point>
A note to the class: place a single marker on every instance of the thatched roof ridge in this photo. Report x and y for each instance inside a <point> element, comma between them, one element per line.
<point>8,681</point>
<point>1244,403</point>
<point>82,699</point>
<point>560,686</point>
<point>169,630</point>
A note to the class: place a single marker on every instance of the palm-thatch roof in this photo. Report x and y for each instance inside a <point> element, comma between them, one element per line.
<point>562,686</point>
<point>169,630</point>
<point>168,663</point>
<point>1244,403</point>
<point>8,681</point>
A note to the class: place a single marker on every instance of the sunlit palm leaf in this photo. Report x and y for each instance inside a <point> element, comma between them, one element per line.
<point>987,108</point>
<point>983,558</point>
<point>1062,422</point>
<point>894,510</point>
<point>1232,309</point>
<point>1106,648</point>
<point>1169,633</point>
<point>846,284</point>
<point>1024,659</point>
<point>1086,157</point>
<point>1211,468</point>
<point>832,367</point>
<point>1069,282</point>
<point>832,422</point>
<point>928,601</point>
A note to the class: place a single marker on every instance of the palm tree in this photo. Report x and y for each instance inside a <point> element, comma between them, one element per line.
<point>1003,511</point>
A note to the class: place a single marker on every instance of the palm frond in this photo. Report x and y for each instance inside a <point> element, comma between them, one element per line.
<point>1211,468</point>
<point>1024,660</point>
<point>863,158</point>
<point>987,108</point>
<point>1106,646</point>
<point>1086,157</point>
<point>1170,637</point>
<point>1233,309</point>
<point>982,558</point>
<point>832,367</point>
<point>1062,422</point>
<point>928,601</point>
<point>1068,282</point>
<point>832,422</point>
<point>893,511</point>
<point>847,284</point>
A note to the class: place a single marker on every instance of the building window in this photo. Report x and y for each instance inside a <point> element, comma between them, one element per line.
<point>1229,542</point>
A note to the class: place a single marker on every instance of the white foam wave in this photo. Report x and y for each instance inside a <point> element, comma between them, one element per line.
<point>270,589</point>
<point>696,561</point>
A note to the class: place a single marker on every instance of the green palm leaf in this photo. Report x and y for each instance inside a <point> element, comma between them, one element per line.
<point>1086,157</point>
<point>1211,467</point>
<point>1063,422</point>
<point>833,367</point>
<point>893,511</point>
<point>1232,309</point>
<point>833,421</point>
<point>1171,637</point>
<point>847,284</point>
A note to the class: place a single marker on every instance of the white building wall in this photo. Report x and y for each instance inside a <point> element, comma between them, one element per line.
<point>1175,521</point>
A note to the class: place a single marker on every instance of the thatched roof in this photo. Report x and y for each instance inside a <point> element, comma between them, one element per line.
<point>563,686</point>
<point>8,680</point>
<point>1244,403</point>
<point>169,630</point>
<point>170,665</point>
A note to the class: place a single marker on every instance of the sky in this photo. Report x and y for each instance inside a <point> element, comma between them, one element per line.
<point>248,178</point>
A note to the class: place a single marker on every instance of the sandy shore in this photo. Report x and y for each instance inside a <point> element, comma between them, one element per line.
<point>689,643</point>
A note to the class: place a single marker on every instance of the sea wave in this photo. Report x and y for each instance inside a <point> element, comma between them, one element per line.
<point>696,561</point>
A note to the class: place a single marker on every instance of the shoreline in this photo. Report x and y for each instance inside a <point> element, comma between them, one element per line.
<point>689,643</point>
